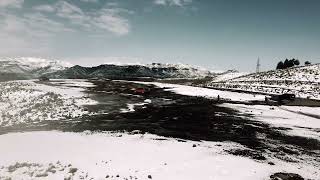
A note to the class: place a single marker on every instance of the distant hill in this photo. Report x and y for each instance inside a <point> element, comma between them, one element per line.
<point>302,81</point>
<point>31,68</point>
<point>155,70</point>
<point>28,68</point>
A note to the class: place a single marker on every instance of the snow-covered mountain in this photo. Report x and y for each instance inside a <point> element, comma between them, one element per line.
<point>154,70</point>
<point>302,81</point>
<point>182,70</point>
<point>26,68</point>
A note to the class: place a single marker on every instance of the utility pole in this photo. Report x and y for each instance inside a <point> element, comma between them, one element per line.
<point>258,66</point>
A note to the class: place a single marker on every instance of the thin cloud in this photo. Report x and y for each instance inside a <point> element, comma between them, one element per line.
<point>11,3</point>
<point>45,8</point>
<point>45,24</point>
<point>64,7</point>
<point>179,3</point>
<point>108,19</point>
<point>19,34</point>
<point>72,13</point>
<point>90,1</point>
<point>111,20</point>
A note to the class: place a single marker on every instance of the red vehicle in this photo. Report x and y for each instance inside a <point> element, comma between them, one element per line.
<point>140,91</point>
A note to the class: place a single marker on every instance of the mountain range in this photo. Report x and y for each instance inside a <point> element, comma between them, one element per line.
<point>111,71</point>
<point>31,68</point>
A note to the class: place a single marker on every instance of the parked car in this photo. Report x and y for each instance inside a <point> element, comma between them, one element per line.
<point>141,90</point>
<point>283,98</point>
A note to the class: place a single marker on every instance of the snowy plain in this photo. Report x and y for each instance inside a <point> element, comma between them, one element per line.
<point>281,116</point>
<point>206,92</point>
<point>296,124</point>
<point>58,155</point>
<point>97,155</point>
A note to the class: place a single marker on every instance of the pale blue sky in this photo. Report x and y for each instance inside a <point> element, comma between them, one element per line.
<point>217,34</point>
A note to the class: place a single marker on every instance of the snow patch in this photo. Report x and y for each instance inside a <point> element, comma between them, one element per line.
<point>279,116</point>
<point>24,102</point>
<point>132,106</point>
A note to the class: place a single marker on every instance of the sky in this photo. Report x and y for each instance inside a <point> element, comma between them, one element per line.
<point>214,34</point>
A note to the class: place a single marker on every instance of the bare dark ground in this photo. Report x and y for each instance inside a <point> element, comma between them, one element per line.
<point>189,118</point>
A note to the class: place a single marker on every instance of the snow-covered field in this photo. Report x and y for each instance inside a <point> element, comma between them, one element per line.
<point>284,116</point>
<point>57,155</point>
<point>205,92</point>
<point>23,102</point>
<point>114,155</point>
<point>288,117</point>
<point>294,117</point>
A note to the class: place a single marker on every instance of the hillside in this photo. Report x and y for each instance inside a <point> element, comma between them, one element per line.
<point>28,68</point>
<point>302,81</point>
<point>154,70</point>
<point>227,75</point>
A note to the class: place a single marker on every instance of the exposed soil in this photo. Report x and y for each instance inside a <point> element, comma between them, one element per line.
<point>285,176</point>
